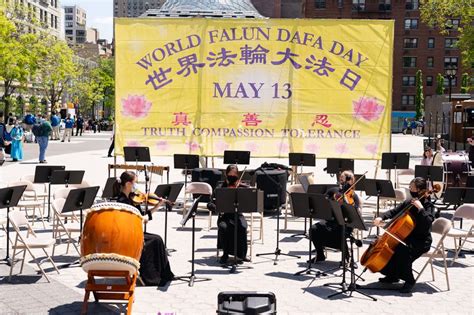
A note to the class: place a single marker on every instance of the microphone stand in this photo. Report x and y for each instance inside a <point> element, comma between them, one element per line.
<point>147,178</point>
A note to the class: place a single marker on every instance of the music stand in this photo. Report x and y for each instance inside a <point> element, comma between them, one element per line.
<point>171,193</point>
<point>320,188</point>
<point>304,205</point>
<point>337,166</point>
<point>192,214</point>
<point>237,157</point>
<point>186,162</point>
<point>430,173</point>
<point>80,199</point>
<point>43,175</point>
<point>236,201</point>
<point>9,197</point>
<point>352,219</point>
<point>395,161</point>
<point>108,192</point>
<point>136,154</point>
<point>302,159</point>
<point>67,177</point>
<point>379,188</point>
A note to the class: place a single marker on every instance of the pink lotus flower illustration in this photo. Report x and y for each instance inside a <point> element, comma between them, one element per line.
<point>162,145</point>
<point>133,143</point>
<point>312,147</point>
<point>284,147</point>
<point>193,145</point>
<point>221,146</point>
<point>371,148</point>
<point>135,106</point>
<point>342,148</point>
<point>367,108</point>
<point>252,147</point>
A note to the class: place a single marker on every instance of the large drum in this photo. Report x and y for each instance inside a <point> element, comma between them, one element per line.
<point>456,168</point>
<point>112,238</point>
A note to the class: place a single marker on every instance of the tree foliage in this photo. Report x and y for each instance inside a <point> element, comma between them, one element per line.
<point>439,84</point>
<point>465,83</point>
<point>438,13</point>
<point>419,97</point>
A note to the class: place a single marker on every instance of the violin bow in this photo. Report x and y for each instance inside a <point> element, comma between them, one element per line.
<point>353,185</point>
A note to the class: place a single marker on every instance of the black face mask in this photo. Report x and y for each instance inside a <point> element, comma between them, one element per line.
<point>414,194</point>
<point>345,186</point>
<point>232,179</point>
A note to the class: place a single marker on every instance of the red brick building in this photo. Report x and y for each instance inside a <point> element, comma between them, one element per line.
<point>417,46</point>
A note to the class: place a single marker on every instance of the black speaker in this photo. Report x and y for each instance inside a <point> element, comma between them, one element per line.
<point>269,188</point>
<point>207,175</point>
<point>248,303</point>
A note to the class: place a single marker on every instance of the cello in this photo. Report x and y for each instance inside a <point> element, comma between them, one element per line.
<point>379,253</point>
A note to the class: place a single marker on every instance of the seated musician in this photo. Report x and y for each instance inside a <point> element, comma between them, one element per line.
<point>154,265</point>
<point>419,240</point>
<point>328,233</point>
<point>226,224</point>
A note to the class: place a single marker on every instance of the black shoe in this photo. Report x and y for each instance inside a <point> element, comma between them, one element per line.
<point>388,280</point>
<point>224,259</point>
<point>109,155</point>
<point>407,287</point>
<point>15,160</point>
<point>318,258</point>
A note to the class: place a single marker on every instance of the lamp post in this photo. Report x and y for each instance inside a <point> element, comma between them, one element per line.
<point>451,74</point>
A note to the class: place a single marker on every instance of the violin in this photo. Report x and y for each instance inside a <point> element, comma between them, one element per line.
<point>379,253</point>
<point>140,198</point>
<point>348,196</point>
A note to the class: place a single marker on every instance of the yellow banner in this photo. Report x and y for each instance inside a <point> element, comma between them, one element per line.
<point>269,86</point>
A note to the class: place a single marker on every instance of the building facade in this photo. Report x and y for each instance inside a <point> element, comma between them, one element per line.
<point>135,8</point>
<point>75,19</point>
<point>416,47</point>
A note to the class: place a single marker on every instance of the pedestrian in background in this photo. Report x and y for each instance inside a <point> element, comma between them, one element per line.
<point>55,122</point>
<point>414,127</point>
<point>79,125</point>
<point>17,134</point>
<point>43,137</point>
<point>69,124</point>
<point>405,126</point>
<point>2,140</point>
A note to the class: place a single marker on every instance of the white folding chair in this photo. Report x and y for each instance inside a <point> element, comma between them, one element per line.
<point>61,229</point>
<point>25,244</point>
<point>441,226</point>
<point>291,189</point>
<point>464,212</point>
<point>41,190</point>
<point>30,202</point>
<point>62,193</point>
<point>198,188</point>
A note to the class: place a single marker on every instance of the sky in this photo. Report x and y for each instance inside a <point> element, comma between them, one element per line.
<point>100,15</point>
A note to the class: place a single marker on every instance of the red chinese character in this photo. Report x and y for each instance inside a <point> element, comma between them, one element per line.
<point>321,120</point>
<point>181,119</point>
<point>251,119</point>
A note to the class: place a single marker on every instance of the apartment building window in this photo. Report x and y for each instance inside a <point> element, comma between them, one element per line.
<point>340,4</point>
<point>68,10</point>
<point>450,43</point>
<point>408,99</point>
<point>320,4</point>
<point>410,42</point>
<point>430,62</point>
<point>52,21</point>
<point>411,24</point>
<point>412,4</point>
<point>358,5</point>
<point>453,24</point>
<point>69,24</point>
<point>69,32</point>
<point>450,61</point>
<point>409,62</point>
<point>68,17</point>
<point>431,42</point>
<point>454,82</point>
<point>429,80</point>
<point>385,5</point>
<point>408,80</point>
<point>56,22</point>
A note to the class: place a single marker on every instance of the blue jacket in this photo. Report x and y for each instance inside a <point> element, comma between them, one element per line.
<point>30,119</point>
<point>69,122</point>
<point>55,121</point>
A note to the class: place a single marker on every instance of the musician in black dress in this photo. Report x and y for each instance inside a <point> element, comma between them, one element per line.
<point>155,268</point>
<point>226,224</point>
<point>328,233</point>
<point>419,240</point>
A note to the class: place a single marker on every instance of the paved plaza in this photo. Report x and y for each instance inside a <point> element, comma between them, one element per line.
<point>29,293</point>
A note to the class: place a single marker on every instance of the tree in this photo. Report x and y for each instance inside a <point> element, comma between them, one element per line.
<point>439,84</point>
<point>419,98</point>
<point>465,83</point>
<point>438,13</point>
<point>56,69</point>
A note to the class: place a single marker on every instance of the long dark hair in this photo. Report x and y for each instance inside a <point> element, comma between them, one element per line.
<point>126,177</point>
<point>426,150</point>
<point>420,183</point>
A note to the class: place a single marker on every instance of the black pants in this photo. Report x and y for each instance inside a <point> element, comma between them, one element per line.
<point>111,148</point>
<point>324,234</point>
<point>400,266</point>
<point>155,269</point>
<point>77,130</point>
<point>225,235</point>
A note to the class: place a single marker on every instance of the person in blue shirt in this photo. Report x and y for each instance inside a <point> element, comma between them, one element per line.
<point>69,124</point>
<point>55,121</point>
<point>414,128</point>
<point>29,121</point>
<point>17,139</point>
<point>405,126</point>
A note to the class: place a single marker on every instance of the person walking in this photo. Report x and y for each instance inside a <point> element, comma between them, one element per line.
<point>3,142</point>
<point>17,134</point>
<point>414,128</point>
<point>112,145</point>
<point>69,124</point>
<point>79,125</point>
<point>42,137</point>
<point>55,122</point>
<point>405,126</point>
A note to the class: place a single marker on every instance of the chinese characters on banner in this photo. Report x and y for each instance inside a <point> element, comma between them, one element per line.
<point>268,86</point>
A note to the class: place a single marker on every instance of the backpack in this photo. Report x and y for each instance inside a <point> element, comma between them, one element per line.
<point>37,130</point>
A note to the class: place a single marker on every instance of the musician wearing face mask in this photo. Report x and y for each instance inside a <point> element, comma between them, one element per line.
<point>226,224</point>
<point>418,241</point>
<point>328,233</point>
